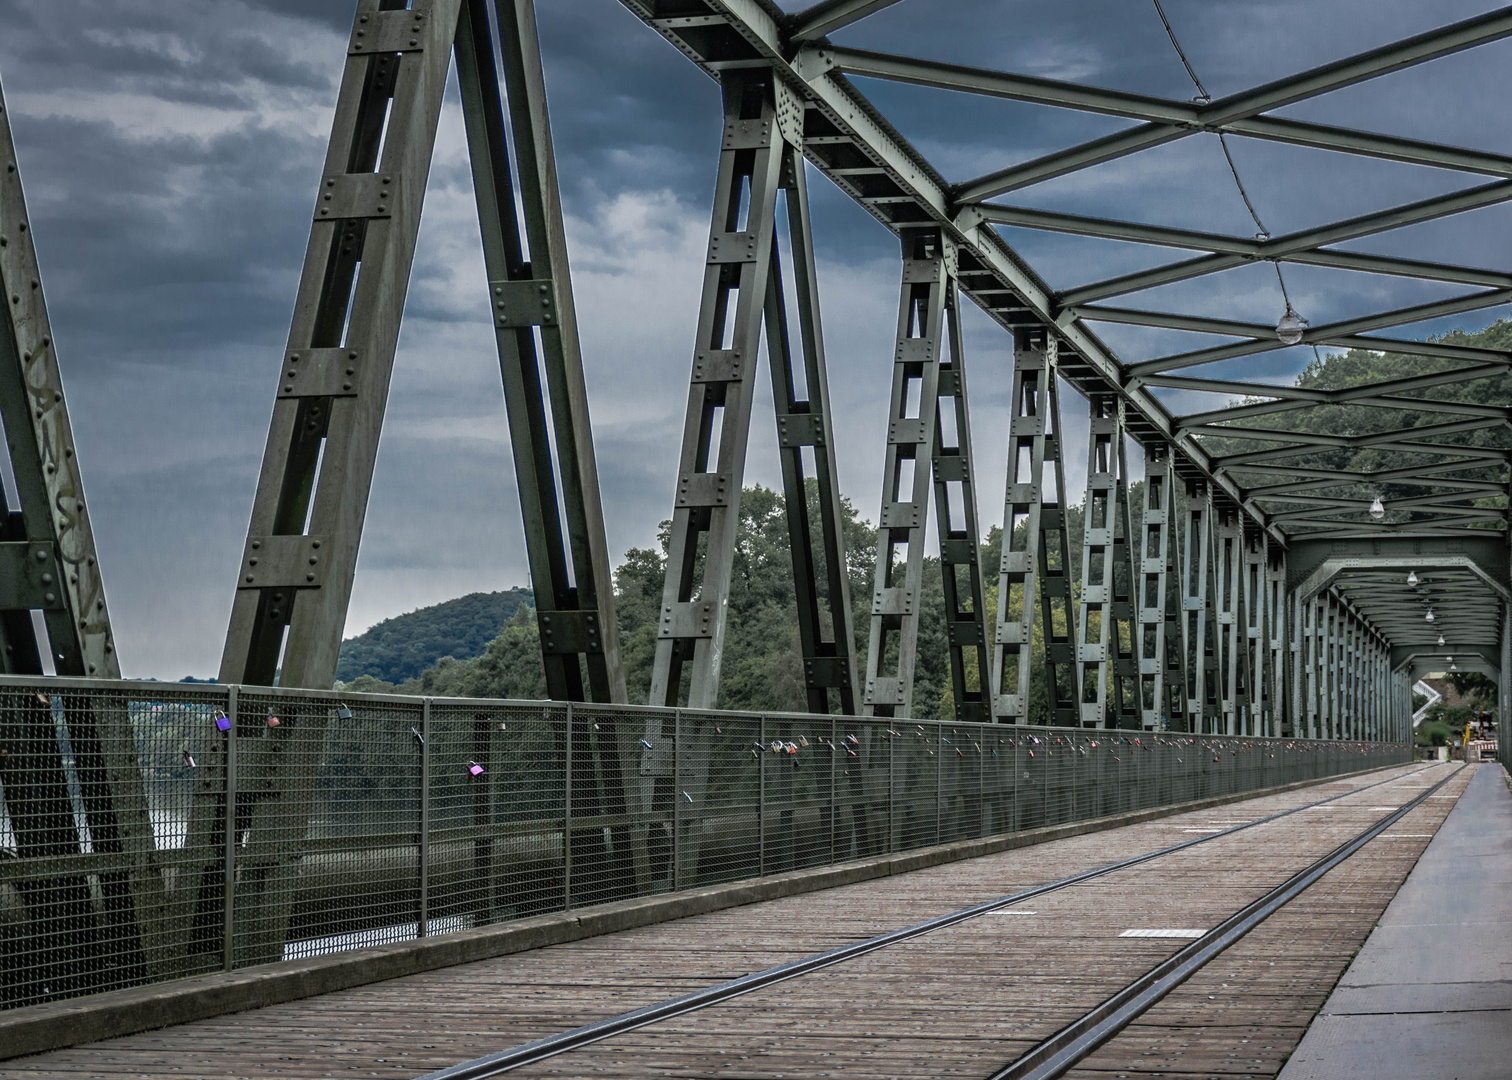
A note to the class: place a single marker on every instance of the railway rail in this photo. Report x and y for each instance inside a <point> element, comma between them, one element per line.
<point>1051,1055</point>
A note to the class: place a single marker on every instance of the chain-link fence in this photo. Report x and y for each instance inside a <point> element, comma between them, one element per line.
<point>153,831</point>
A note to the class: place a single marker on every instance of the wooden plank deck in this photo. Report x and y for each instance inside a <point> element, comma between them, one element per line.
<point>959,1002</point>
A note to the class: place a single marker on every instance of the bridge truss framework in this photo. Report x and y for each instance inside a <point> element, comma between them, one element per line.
<point>1252,591</point>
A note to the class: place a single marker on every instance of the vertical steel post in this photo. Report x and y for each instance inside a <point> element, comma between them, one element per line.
<point>954,469</point>
<point>1160,667</point>
<point>540,357</point>
<point>1255,666</point>
<point>1279,632</point>
<point>52,564</point>
<point>296,571</point>
<point>1228,566</point>
<point>1127,711</point>
<point>1330,620</point>
<point>295,580</point>
<point>804,431</point>
<point>1096,632</point>
<point>911,419</point>
<point>759,157</point>
<point>925,369</point>
<point>1196,635</point>
<point>1031,574</point>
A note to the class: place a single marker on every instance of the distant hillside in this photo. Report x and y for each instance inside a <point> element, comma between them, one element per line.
<point>402,647</point>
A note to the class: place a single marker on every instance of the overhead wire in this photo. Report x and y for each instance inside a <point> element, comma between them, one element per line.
<point>1205,97</point>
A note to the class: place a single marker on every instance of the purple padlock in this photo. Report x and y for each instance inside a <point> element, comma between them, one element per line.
<point>474,769</point>
<point>223,723</point>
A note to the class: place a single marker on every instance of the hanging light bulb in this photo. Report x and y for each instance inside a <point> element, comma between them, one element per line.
<point>1429,616</point>
<point>1441,639</point>
<point>1378,510</point>
<point>1412,578</point>
<point>1289,328</point>
<point>1452,665</point>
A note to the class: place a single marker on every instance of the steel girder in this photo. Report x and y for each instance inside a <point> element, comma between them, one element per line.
<point>1105,631</point>
<point>47,547</point>
<point>1162,659</point>
<point>68,765</point>
<point>928,386</point>
<point>295,579</point>
<point>742,292</point>
<point>1035,569</point>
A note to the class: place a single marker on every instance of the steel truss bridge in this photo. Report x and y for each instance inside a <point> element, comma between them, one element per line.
<point>1257,588</point>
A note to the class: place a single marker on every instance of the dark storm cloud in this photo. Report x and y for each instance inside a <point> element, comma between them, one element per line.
<point>171,151</point>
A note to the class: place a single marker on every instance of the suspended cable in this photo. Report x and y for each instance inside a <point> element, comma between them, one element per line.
<point>1201,90</point>
<point>1291,326</point>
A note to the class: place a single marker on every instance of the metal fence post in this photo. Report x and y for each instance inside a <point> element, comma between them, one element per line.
<point>761,753</point>
<point>228,959</point>
<point>425,741</point>
<point>939,783</point>
<point>834,791</point>
<point>892,794</point>
<point>567,817</point>
<point>676,799</point>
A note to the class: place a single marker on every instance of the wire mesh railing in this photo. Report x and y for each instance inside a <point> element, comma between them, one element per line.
<point>153,831</point>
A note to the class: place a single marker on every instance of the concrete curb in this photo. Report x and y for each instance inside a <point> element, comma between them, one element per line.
<point>37,1028</point>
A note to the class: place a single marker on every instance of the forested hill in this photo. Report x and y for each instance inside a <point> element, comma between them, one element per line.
<point>401,648</point>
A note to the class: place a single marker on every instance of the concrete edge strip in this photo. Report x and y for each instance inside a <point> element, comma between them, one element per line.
<point>35,1029</point>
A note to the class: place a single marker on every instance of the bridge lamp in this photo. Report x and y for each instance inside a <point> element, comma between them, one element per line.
<point>1412,578</point>
<point>1378,511</point>
<point>1289,328</point>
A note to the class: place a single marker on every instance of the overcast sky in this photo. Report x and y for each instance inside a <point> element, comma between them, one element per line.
<point>171,150</point>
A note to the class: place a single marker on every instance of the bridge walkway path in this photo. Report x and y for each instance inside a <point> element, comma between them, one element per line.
<point>961,1001</point>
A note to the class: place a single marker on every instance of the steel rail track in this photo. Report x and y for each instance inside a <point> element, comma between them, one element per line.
<point>1061,1052</point>
<point>564,1042</point>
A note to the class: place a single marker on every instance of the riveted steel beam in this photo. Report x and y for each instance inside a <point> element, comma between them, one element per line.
<point>1105,626</point>
<point>295,580</point>
<point>928,372</point>
<point>1035,567</point>
<point>57,571</point>
<point>1162,664</point>
<point>759,161</point>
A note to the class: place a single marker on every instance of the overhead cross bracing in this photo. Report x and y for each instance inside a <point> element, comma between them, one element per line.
<point>1401,455</point>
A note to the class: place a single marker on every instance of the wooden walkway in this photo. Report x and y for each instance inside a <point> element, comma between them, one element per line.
<point>958,1002</point>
